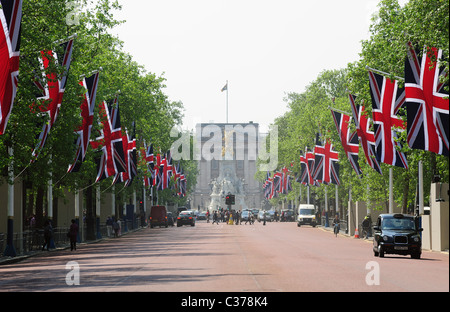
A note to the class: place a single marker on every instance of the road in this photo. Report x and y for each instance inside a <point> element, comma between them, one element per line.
<point>277,257</point>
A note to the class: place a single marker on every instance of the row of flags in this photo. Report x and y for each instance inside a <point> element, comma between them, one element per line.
<point>116,151</point>
<point>427,125</point>
<point>161,171</point>
<point>427,114</point>
<point>279,183</point>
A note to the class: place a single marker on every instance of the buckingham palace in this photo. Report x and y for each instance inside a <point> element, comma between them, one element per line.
<point>227,162</point>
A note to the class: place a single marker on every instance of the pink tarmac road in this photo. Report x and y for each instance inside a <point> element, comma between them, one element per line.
<point>277,257</point>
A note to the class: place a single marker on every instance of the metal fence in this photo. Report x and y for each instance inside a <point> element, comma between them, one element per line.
<point>31,241</point>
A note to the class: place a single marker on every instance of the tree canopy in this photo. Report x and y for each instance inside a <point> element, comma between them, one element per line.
<point>422,22</point>
<point>142,100</point>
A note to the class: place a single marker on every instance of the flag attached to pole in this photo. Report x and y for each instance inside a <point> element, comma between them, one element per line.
<point>87,114</point>
<point>387,99</point>
<point>366,137</point>
<point>10,22</point>
<point>52,90</point>
<point>349,139</point>
<point>427,103</point>
<point>112,156</point>
<point>225,87</point>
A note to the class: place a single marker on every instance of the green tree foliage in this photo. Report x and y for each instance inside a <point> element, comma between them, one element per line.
<point>141,94</point>
<point>422,22</point>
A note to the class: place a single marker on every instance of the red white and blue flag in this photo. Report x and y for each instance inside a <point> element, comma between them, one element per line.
<point>326,163</point>
<point>87,114</point>
<point>130,158</point>
<point>427,103</point>
<point>349,139</point>
<point>387,100</point>
<point>52,89</point>
<point>366,137</point>
<point>111,160</point>
<point>10,23</point>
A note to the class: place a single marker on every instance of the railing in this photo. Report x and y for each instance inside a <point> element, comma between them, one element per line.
<point>30,241</point>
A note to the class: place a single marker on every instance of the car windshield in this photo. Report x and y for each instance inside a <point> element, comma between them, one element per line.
<point>398,224</point>
<point>185,213</point>
<point>305,211</point>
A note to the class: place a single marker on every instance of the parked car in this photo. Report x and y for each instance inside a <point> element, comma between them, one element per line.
<point>397,234</point>
<point>186,218</point>
<point>158,216</point>
<point>306,215</point>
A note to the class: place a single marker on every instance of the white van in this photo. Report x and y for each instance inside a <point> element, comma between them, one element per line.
<point>306,215</point>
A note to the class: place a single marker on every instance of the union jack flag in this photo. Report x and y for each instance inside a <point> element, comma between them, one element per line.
<point>427,103</point>
<point>349,139</point>
<point>112,156</point>
<point>182,184</point>
<point>87,113</point>
<point>387,99</point>
<point>10,22</point>
<point>366,137</point>
<point>303,177</point>
<point>326,169</point>
<point>167,170</point>
<point>310,160</point>
<point>52,90</point>
<point>285,181</point>
<point>130,159</point>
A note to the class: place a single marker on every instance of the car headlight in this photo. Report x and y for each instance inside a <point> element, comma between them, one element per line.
<point>385,238</point>
<point>416,239</point>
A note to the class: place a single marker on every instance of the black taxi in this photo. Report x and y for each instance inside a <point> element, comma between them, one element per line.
<point>397,234</point>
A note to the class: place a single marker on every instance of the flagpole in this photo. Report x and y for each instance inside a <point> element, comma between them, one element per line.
<point>227,100</point>
<point>383,73</point>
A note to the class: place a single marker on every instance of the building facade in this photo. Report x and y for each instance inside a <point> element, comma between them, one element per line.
<point>227,161</point>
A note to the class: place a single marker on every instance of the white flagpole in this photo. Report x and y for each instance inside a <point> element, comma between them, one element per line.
<point>391,190</point>
<point>227,100</point>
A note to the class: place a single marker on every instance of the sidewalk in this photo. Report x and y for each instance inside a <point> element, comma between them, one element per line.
<point>10,260</point>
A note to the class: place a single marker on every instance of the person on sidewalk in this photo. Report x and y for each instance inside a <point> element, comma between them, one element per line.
<point>73,234</point>
<point>48,234</point>
<point>336,224</point>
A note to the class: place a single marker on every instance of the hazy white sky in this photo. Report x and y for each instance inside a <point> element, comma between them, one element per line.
<point>263,48</point>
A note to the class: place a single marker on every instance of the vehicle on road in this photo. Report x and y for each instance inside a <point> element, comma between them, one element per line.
<point>158,216</point>
<point>186,218</point>
<point>170,219</point>
<point>245,216</point>
<point>261,216</point>
<point>287,215</point>
<point>306,215</point>
<point>201,215</point>
<point>397,234</point>
<point>255,212</point>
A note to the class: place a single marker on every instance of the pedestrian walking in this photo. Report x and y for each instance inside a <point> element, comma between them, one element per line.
<point>116,228</point>
<point>109,226</point>
<point>73,235</point>
<point>215,217</point>
<point>48,234</point>
<point>336,224</point>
